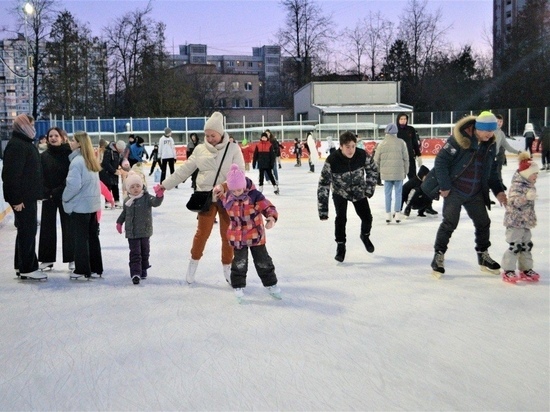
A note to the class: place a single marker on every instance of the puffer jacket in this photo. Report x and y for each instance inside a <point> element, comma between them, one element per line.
<point>55,165</point>
<point>456,155</point>
<point>391,158</point>
<point>138,217</point>
<point>82,192</point>
<point>520,211</point>
<point>351,178</point>
<point>207,159</point>
<point>246,224</point>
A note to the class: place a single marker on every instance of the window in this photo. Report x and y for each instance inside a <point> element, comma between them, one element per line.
<point>236,103</point>
<point>248,86</point>
<point>248,103</point>
<point>250,64</point>
<point>221,86</point>
<point>231,63</point>
<point>222,102</point>
<point>235,86</point>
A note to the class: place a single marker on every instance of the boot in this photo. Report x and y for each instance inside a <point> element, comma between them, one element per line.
<point>366,241</point>
<point>340,251</point>
<point>227,273</point>
<point>407,211</point>
<point>486,264</point>
<point>191,269</point>
<point>437,265</point>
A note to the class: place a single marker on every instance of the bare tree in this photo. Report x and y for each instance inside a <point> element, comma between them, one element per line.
<point>304,37</point>
<point>355,45</point>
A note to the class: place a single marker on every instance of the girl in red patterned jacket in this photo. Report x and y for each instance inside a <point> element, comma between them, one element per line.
<point>245,206</point>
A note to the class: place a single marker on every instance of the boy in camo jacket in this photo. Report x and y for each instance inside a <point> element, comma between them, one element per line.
<point>352,174</point>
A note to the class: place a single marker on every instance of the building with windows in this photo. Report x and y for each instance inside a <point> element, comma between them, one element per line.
<point>505,13</point>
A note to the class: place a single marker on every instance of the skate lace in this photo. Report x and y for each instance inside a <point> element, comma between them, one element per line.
<point>529,272</point>
<point>486,258</point>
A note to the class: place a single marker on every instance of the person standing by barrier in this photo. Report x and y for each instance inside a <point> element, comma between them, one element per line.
<point>208,157</point>
<point>81,200</point>
<point>55,167</point>
<point>409,135</point>
<point>22,186</point>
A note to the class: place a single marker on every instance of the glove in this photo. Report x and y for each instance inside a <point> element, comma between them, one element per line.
<point>323,217</point>
<point>159,191</point>
<point>419,161</point>
<point>531,194</point>
<point>270,222</point>
<point>119,227</point>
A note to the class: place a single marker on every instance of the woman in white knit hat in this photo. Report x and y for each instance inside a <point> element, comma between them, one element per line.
<point>207,158</point>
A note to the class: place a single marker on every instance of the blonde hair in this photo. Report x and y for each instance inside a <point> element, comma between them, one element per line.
<point>87,151</point>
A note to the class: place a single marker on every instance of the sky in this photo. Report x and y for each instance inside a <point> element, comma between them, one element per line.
<point>376,332</point>
<point>234,27</point>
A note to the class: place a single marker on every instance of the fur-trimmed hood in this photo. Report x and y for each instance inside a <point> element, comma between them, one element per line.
<point>463,132</point>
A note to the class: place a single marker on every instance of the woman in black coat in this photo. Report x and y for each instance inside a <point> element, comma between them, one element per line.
<point>22,185</point>
<point>55,166</point>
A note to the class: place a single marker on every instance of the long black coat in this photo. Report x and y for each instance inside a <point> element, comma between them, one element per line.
<point>109,165</point>
<point>22,171</point>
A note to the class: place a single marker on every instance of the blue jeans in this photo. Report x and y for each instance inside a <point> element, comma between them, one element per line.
<point>397,187</point>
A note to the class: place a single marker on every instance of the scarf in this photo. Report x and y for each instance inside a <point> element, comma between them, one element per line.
<point>23,125</point>
<point>132,198</point>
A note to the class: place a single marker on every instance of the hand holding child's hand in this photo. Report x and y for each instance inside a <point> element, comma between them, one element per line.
<point>270,222</point>
<point>218,191</point>
<point>119,227</point>
<point>159,190</point>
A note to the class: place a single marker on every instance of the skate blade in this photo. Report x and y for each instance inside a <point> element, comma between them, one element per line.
<point>277,296</point>
<point>490,271</point>
<point>34,278</point>
<point>436,274</point>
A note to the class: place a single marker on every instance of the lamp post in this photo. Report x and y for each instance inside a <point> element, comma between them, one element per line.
<point>28,10</point>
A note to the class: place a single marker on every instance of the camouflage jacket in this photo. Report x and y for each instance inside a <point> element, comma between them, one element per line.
<point>351,178</point>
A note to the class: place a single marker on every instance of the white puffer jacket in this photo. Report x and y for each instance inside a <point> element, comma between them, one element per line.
<point>391,158</point>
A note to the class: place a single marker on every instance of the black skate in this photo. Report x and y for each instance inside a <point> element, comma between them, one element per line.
<point>368,244</point>
<point>486,264</point>
<point>340,252</point>
<point>437,265</point>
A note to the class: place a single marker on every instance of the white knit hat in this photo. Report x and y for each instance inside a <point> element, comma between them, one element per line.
<point>131,179</point>
<point>215,122</point>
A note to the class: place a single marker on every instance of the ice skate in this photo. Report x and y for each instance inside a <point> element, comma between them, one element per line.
<point>239,294</point>
<point>510,276</point>
<point>366,241</point>
<point>36,275</point>
<point>397,217</point>
<point>136,279</point>
<point>340,252</point>
<point>45,265</point>
<point>191,269</point>
<point>438,265</point>
<point>276,189</point>
<point>274,291</point>
<point>430,211</point>
<point>71,265</point>
<point>227,273</point>
<point>529,275</point>
<point>388,218</point>
<point>486,264</point>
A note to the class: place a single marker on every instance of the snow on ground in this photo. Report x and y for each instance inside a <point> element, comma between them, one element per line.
<point>376,332</point>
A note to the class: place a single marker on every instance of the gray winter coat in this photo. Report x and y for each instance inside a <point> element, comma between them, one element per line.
<point>138,217</point>
<point>392,158</point>
<point>81,193</point>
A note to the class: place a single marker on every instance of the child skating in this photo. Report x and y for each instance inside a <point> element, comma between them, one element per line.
<point>246,207</point>
<point>519,219</point>
<point>138,219</point>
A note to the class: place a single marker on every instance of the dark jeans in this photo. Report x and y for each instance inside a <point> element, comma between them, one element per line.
<point>87,249</point>
<point>477,211</point>
<point>163,164</point>
<point>155,162</point>
<point>47,246</point>
<point>139,256</point>
<point>362,208</point>
<point>269,174</point>
<point>529,144</point>
<point>545,155</point>
<point>25,242</point>
<point>262,262</point>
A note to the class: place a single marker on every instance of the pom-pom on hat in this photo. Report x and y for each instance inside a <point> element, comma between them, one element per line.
<point>391,129</point>
<point>215,122</point>
<point>167,131</point>
<point>486,121</point>
<point>526,166</point>
<point>131,179</point>
<point>235,178</point>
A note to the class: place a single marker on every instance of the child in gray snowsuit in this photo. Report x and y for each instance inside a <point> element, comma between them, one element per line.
<point>137,214</point>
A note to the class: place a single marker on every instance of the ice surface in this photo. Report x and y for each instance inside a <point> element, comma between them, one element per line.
<point>376,332</point>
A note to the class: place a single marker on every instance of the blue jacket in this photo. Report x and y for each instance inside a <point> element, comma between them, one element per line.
<point>456,155</point>
<point>82,193</point>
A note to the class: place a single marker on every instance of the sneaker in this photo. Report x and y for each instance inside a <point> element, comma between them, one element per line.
<point>510,276</point>
<point>227,273</point>
<point>274,291</point>
<point>407,211</point>
<point>529,275</point>
<point>191,269</point>
<point>340,252</point>
<point>366,241</point>
<point>45,265</point>
<point>486,264</point>
<point>430,211</point>
<point>437,265</point>
<point>136,279</point>
<point>71,265</point>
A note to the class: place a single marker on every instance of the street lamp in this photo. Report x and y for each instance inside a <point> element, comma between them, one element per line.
<point>28,10</point>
